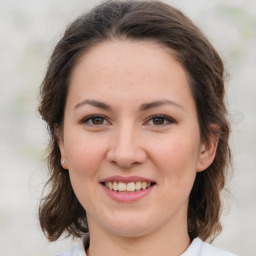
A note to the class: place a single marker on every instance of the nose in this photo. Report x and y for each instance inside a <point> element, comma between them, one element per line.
<point>126,148</point>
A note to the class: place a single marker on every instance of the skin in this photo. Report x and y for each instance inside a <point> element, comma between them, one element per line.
<point>126,140</point>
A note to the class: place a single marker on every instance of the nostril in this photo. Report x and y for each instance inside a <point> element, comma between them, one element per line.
<point>125,161</point>
<point>126,152</point>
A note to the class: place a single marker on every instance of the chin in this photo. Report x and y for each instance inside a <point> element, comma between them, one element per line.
<point>130,232</point>
<point>130,227</point>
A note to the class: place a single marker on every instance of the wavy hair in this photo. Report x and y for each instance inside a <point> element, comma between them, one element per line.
<point>60,211</point>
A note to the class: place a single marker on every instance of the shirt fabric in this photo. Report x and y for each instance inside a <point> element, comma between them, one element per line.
<point>196,248</point>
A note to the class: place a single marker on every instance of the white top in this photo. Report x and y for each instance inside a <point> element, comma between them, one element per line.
<point>197,248</point>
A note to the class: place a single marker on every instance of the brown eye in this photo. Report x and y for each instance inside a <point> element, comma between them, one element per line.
<point>160,120</point>
<point>95,120</point>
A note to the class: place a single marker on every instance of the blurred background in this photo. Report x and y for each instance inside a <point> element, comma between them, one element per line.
<point>28,32</point>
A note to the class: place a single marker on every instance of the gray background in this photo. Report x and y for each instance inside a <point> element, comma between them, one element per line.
<point>28,31</point>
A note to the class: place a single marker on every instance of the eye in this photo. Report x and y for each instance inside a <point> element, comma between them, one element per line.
<point>95,120</point>
<point>160,120</point>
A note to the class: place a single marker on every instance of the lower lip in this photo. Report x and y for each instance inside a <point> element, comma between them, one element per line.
<point>127,196</point>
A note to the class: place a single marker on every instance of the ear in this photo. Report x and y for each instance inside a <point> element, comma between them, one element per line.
<point>59,135</point>
<point>208,151</point>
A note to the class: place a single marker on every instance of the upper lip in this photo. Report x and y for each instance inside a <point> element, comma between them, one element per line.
<point>123,179</point>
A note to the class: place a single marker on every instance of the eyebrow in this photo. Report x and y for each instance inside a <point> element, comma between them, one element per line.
<point>95,103</point>
<point>159,103</point>
<point>143,107</point>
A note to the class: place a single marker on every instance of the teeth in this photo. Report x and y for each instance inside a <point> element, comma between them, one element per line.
<point>131,187</point>
<point>127,187</point>
<point>138,185</point>
<point>115,186</point>
<point>144,185</point>
<point>122,186</point>
<point>110,185</point>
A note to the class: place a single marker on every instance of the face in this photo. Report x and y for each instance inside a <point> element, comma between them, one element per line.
<point>131,138</point>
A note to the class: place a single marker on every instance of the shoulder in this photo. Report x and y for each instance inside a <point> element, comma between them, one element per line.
<point>209,250</point>
<point>197,248</point>
<point>200,248</point>
<point>77,250</point>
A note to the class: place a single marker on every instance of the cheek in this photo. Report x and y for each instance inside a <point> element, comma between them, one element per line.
<point>178,153</point>
<point>179,172</point>
<point>84,154</point>
<point>177,157</point>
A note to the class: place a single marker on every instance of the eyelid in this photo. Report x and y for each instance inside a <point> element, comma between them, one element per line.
<point>168,118</point>
<point>89,117</point>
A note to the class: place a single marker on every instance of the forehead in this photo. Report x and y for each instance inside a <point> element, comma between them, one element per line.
<point>127,52</point>
<point>123,67</point>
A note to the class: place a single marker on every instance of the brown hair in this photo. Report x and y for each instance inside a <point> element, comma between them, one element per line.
<point>60,212</point>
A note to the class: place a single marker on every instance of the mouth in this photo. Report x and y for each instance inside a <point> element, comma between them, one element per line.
<point>129,187</point>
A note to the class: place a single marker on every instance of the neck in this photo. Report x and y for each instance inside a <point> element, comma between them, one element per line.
<point>168,241</point>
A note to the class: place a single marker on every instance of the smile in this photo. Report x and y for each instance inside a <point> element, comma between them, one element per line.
<point>128,187</point>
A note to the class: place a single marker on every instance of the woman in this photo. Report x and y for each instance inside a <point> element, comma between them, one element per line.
<point>134,101</point>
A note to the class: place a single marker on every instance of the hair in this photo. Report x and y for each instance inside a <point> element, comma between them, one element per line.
<point>60,211</point>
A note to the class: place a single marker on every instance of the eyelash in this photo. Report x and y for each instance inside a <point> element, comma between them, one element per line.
<point>91,117</point>
<point>167,120</point>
